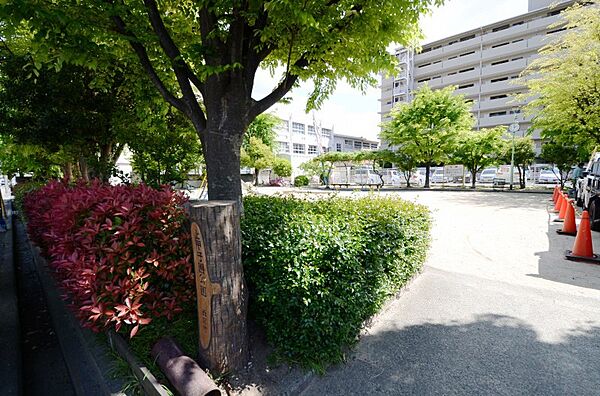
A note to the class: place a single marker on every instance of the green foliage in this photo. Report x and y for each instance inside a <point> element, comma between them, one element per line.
<point>477,150</point>
<point>301,181</point>
<point>165,148</point>
<point>563,157</point>
<point>282,167</point>
<point>263,128</point>
<point>19,159</point>
<point>317,270</point>
<point>564,81</point>
<point>20,190</point>
<point>203,56</point>
<point>427,129</point>
<point>524,154</point>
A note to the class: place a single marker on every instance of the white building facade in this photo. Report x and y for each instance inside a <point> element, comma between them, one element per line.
<point>483,63</point>
<point>301,137</point>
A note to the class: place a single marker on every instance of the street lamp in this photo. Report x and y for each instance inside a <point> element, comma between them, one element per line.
<point>514,128</point>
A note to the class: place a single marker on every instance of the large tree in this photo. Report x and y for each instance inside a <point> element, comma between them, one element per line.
<point>428,127</point>
<point>563,157</point>
<point>203,56</point>
<point>564,81</point>
<point>477,150</point>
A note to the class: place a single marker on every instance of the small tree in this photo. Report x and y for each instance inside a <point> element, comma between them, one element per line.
<point>524,155</point>
<point>282,167</point>
<point>428,128</point>
<point>327,161</point>
<point>477,150</point>
<point>563,157</point>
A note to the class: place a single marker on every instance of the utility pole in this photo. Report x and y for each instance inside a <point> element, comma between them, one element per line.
<point>514,127</point>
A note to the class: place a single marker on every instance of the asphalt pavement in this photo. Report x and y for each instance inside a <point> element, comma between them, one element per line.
<point>497,310</point>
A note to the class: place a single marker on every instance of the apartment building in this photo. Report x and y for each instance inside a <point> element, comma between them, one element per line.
<point>301,137</point>
<point>483,63</point>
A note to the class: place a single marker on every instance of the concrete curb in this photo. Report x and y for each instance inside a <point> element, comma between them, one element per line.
<point>85,374</point>
<point>418,189</point>
<point>10,342</point>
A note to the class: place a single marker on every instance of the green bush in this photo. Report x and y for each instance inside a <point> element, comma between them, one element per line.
<point>301,181</point>
<point>317,270</point>
<point>20,190</point>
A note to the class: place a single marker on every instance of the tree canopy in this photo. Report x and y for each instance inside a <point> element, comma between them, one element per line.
<point>477,150</point>
<point>203,56</point>
<point>427,128</point>
<point>564,81</point>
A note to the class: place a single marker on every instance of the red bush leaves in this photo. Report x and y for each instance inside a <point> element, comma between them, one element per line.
<point>121,253</point>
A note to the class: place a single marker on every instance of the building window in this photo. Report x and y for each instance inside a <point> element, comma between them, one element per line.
<point>466,70</point>
<point>466,86</point>
<point>424,65</point>
<point>311,129</point>
<point>499,28</point>
<point>500,62</point>
<point>436,62</point>
<point>517,111</point>
<point>498,96</point>
<point>423,80</point>
<point>298,148</point>
<point>518,23</point>
<point>436,77</point>
<point>396,99</point>
<point>324,149</point>
<point>453,42</point>
<point>338,147</point>
<point>451,74</point>
<point>374,146</point>
<point>347,142</point>
<point>453,57</point>
<point>426,50</point>
<point>436,47</point>
<point>357,145</point>
<point>498,114</point>
<point>556,30</point>
<point>312,150</point>
<point>499,79</point>
<point>284,147</point>
<point>285,124</point>
<point>467,53</point>
<point>501,44</point>
<point>516,59</point>
<point>326,132</point>
<point>517,41</point>
<point>298,128</point>
<point>467,37</point>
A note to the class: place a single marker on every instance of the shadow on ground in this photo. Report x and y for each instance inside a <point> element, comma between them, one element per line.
<point>553,265</point>
<point>492,354</point>
<point>499,199</point>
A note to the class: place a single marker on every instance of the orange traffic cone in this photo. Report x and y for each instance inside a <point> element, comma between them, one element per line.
<point>582,248</point>
<point>555,194</point>
<point>563,207</point>
<point>558,202</point>
<point>569,227</point>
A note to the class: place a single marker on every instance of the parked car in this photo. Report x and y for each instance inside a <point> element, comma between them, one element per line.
<point>365,177</point>
<point>487,175</point>
<point>548,176</point>
<point>416,178</point>
<point>438,176</point>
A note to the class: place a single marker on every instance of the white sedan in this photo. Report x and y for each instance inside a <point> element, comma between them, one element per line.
<point>548,176</point>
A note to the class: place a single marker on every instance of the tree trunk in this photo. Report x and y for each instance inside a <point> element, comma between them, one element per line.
<point>222,293</point>
<point>68,171</point>
<point>84,170</point>
<point>427,168</point>
<point>256,175</point>
<point>473,173</point>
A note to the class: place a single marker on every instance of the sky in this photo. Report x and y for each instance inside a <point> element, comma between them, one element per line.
<point>353,113</point>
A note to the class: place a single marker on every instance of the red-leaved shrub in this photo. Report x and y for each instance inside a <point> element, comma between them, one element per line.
<point>121,253</point>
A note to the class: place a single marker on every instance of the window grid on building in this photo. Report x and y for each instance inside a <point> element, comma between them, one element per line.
<point>298,128</point>
<point>312,149</point>
<point>298,148</point>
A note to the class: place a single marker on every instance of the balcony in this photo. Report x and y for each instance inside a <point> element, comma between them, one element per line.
<point>457,78</point>
<point>495,104</point>
<point>499,87</point>
<point>511,32</point>
<point>427,70</point>
<point>428,56</point>
<point>463,61</point>
<point>506,50</point>
<point>469,92</point>
<point>513,67</point>
<point>542,23</point>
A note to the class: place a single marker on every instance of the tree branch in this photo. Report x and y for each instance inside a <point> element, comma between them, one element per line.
<point>142,54</point>
<point>181,69</point>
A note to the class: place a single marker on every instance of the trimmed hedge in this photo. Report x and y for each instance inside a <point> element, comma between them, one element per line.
<point>317,270</point>
<point>301,181</point>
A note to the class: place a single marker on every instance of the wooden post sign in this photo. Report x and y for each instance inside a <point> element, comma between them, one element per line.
<point>222,295</point>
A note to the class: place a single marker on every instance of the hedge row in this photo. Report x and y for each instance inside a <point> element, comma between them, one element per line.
<point>121,253</point>
<point>318,269</point>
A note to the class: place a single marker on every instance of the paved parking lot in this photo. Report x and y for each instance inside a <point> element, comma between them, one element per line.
<point>497,310</point>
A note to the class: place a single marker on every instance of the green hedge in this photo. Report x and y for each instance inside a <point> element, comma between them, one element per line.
<point>317,270</point>
<point>301,181</point>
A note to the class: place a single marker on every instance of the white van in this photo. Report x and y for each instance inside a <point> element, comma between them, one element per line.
<point>365,176</point>
<point>487,175</point>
